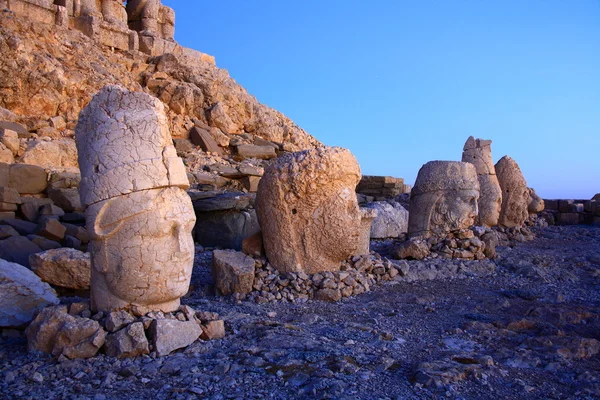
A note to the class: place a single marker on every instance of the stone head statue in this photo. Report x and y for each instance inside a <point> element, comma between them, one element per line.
<point>138,215</point>
<point>536,203</point>
<point>113,11</point>
<point>479,153</point>
<point>515,194</point>
<point>307,209</point>
<point>443,199</point>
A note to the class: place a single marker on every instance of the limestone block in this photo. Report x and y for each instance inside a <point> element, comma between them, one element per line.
<point>63,267</point>
<point>515,194</point>
<point>10,139</point>
<point>51,229</point>
<point>9,195</point>
<point>307,209</point>
<point>117,320</point>
<point>113,12</point>
<point>17,249</point>
<point>6,155</point>
<point>8,207</point>
<point>22,294</point>
<point>43,153</point>
<point>414,249</point>
<point>43,243</point>
<point>569,218</point>
<point>7,231</point>
<point>233,272</point>
<point>218,117</point>
<point>67,199</point>
<point>139,217</point>
<point>444,198</point>
<point>169,335</point>
<point>56,332</point>
<point>204,139</point>
<point>551,205</point>
<point>130,341</point>
<point>253,151</point>
<point>250,183</point>
<point>391,220</point>
<point>367,216</point>
<point>213,330</point>
<point>23,227</point>
<point>51,209</point>
<point>26,179</point>
<point>6,215</point>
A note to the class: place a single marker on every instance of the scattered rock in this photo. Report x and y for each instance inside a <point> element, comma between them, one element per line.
<point>22,294</point>
<point>63,267</point>
<point>130,341</point>
<point>233,272</point>
<point>169,335</point>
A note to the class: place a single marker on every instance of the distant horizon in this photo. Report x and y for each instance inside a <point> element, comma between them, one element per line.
<point>404,83</point>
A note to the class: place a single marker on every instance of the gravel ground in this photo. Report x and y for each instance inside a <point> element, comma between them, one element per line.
<point>528,330</point>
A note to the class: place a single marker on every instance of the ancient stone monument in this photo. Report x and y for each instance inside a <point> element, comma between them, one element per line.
<point>479,153</point>
<point>444,198</point>
<point>307,209</point>
<point>515,194</point>
<point>138,215</point>
<point>142,25</point>
<point>536,203</point>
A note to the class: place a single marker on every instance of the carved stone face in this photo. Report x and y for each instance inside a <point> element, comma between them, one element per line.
<point>142,250</point>
<point>307,209</point>
<point>444,198</point>
<point>490,201</point>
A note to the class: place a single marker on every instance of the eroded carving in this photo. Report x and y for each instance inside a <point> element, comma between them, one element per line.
<point>479,153</point>
<point>138,215</point>
<point>515,194</point>
<point>308,212</point>
<point>444,198</point>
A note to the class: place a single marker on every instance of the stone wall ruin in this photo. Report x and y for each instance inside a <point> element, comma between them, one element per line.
<point>145,26</point>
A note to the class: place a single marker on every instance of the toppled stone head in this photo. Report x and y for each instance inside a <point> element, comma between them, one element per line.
<point>515,194</point>
<point>479,153</point>
<point>307,209</point>
<point>536,203</point>
<point>138,215</point>
<point>443,199</point>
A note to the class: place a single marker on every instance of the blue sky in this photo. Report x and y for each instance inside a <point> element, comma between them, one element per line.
<point>401,83</point>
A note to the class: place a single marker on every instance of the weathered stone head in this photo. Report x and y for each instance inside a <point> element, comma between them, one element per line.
<point>113,11</point>
<point>138,215</point>
<point>306,206</point>
<point>479,153</point>
<point>536,203</point>
<point>515,194</point>
<point>443,199</point>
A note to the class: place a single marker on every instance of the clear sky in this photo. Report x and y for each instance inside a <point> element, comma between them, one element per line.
<point>403,82</point>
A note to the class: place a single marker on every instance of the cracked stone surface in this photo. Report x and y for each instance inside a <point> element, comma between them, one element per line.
<point>479,153</point>
<point>515,194</point>
<point>139,217</point>
<point>308,212</point>
<point>444,198</point>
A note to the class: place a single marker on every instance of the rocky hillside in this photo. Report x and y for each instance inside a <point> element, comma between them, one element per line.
<point>48,74</point>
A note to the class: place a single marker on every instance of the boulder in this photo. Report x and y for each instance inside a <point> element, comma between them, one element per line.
<point>56,332</point>
<point>213,330</point>
<point>9,195</point>
<point>253,151</point>
<point>63,267</point>
<point>7,231</point>
<point>253,245</point>
<point>205,140</point>
<point>117,320</point>
<point>26,179</point>
<point>233,272</point>
<point>17,249</point>
<point>169,335</point>
<point>391,220</point>
<point>51,229</point>
<point>250,183</point>
<point>6,155</point>
<point>130,341</point>
<point>22,294</point>
<point>226,229</point>
<point>414,249</point>
<point>10,139</point>
<point>45,244</point>
<point>30,209</point>
<point>23,227</point>
<point>67,199</point>
<point>223,201</point>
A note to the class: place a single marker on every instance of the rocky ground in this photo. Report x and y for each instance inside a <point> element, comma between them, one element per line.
<point>529,329</point>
